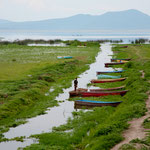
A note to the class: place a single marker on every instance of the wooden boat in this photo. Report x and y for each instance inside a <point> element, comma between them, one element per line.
<point>102,76</point>
<point>102,72</point>
<point>79,92</point>
<point>91,104</point>
<point>123,46</point>
<point>114,63</point>
<point>68,57</point>
<point>108,89</point>
<point>64,57</point>
<point>103,93</point>
<point>124,59</point>
<point>97,93</point>
<point>106,80</point>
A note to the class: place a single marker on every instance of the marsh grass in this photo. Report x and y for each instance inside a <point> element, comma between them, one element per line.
<point>22,91</point>
<point>101,128</point>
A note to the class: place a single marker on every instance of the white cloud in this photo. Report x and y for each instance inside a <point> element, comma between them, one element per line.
<point>23,10</point>
<point>34,4</point>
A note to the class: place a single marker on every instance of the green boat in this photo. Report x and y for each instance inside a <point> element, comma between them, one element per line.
<point>64,57</point>
<point>102,76</point>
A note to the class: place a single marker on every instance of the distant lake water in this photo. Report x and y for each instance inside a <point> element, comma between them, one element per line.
<point>81,35</point>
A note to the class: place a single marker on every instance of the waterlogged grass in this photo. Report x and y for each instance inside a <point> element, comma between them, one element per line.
<point>22,91</point>
<point>16,61</point>
<point>101,128</point>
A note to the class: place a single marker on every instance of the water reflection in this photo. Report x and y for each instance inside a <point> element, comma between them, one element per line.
<point>14,145</point>
<point>56,44</point>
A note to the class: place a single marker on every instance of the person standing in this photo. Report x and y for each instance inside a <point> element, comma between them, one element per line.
<point>75,84</point>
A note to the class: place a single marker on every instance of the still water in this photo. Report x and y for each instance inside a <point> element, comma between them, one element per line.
<point>57,116</point>
<point>125,35</point>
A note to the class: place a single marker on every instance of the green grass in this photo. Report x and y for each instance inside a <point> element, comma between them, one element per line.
<point>16,61</point>
<point>102,128</point>
<point>23,96</point>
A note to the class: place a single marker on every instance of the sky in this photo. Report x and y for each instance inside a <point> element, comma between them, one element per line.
<point>32,10</point>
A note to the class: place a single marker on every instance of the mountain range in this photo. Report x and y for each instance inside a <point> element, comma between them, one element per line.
<point>122,20</point>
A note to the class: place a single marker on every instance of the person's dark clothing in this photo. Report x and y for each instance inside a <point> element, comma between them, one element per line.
<point>75,84</point>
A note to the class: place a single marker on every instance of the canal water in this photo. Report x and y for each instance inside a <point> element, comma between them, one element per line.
<point>57,115</point>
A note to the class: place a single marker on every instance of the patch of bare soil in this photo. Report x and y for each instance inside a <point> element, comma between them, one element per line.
<point>135,130</point>
<point>143,73</point>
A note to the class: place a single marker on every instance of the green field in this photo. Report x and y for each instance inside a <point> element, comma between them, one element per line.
<point>27,73</point>
<point>102,128</point>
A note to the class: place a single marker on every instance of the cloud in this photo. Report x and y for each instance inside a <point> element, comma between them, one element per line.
<point>34,4</point>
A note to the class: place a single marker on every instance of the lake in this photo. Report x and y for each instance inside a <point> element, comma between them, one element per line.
<point>125,35</point>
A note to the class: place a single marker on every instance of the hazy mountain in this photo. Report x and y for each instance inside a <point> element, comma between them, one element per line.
<point>4,21</point>
<point>129,19</point>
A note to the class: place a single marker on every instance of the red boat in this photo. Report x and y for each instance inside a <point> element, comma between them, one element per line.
<point>97,93</point>
<point>79,92</point>
<point>106,80</point>
<point>103,93</point>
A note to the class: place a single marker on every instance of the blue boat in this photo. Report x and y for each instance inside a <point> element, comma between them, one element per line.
<point>90,104</point>
<point>102,72</point>
<point>68,57</point>
<point>102,76</point>
<point>64,57</point>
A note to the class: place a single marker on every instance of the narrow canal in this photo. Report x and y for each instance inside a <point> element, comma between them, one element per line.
<point>58,115</point>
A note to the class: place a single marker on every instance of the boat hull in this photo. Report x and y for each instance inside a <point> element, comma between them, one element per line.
<point>86,104</point>
<point>107,80</point>
<point>103,72</point>
<point>123,46</point>
<point>125,59</point>
<point>79,92</point>
<point>109,89</point>
<point>98,94</point>
<point>101,76</point>
<point>64,57</point>
<point>114,63</point>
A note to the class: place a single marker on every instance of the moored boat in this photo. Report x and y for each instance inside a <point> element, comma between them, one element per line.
<point>123,46</point>
<point>64,57</point>
<point>90,104</point>
<point>79,92</point>
<point>121,59</point>
<point>102,76</point>
<point>124,61</point>
<point>106,80</point>
<point>68,57</point>
<point>114,63</point>
<point>103,93</point>
<point>108,89</point>
<point>97,93</point>
<point>102,72</point>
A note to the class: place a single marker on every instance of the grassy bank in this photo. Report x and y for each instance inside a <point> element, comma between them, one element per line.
<point>27,73</point>
<point>101,128</point>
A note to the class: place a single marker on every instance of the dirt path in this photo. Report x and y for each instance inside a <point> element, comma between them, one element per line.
<point>136,130</point>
